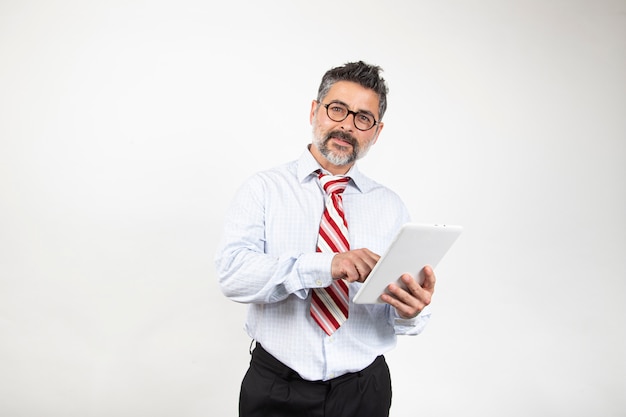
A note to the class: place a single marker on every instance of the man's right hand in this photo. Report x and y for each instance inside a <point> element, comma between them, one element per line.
<point>354,265</point>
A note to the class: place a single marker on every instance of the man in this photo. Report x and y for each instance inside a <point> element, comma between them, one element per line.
<point>274,257</point>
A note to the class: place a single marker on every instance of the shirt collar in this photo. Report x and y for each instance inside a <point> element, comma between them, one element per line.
<point>307,165</point>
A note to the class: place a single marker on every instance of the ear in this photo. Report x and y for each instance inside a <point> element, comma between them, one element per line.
<point>379,128</point>
<point>314,105</point>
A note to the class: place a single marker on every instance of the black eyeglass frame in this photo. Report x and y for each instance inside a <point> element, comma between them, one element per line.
<point>350,112</point>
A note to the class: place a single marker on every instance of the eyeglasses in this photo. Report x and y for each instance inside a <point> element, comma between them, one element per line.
<point>338,112</point>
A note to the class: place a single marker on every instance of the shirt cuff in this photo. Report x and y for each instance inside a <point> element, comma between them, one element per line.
<point>314,269</point>
<point>412,326</point>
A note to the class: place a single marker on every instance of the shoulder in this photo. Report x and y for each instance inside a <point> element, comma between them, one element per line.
<point>279,174</point>
<point>270,181</point>
<point>367,185</point>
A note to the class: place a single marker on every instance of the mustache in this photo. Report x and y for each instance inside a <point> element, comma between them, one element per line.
<point>341,135</point>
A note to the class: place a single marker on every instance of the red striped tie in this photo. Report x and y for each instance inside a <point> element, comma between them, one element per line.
<point>329,306</point>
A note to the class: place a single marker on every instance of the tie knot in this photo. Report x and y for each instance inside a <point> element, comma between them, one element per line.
<point>333,184</point>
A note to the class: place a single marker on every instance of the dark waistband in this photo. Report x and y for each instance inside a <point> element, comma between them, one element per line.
<point>264,358</point>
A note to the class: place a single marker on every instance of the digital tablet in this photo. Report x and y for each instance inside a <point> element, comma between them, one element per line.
<point>415,246</point>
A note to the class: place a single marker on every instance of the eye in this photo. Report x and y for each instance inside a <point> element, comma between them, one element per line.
<point>365,118</point>
<point>337,108</point>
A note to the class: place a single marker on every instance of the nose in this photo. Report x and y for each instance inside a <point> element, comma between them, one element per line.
<point>349,122</point>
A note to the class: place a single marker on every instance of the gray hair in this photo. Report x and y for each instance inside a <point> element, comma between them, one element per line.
<point>367,76</point>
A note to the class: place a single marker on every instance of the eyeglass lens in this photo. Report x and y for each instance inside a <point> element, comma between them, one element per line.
<point>338,112</point>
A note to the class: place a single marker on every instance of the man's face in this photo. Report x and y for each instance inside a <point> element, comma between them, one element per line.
<point>337,145</point>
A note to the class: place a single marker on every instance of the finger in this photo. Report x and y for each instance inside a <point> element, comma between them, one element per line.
<point>401,300</point>
<point>429,279</point>
<point>404,296</point>
<point>349,270</point>
<point>411,284</point>
<point>364,261</point>
<point>423,295</point>
<point>415,296</point>
<point>354,265</point>
<point>374,256</point>
<point>367,256</point>
<point>364,267</point>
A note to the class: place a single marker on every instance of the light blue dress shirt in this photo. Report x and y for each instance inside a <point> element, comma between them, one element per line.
<point>267,259</point>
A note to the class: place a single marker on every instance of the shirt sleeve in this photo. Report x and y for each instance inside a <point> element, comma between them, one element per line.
<point>246,273</point>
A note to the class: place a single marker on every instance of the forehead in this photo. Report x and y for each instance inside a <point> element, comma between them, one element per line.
<point>357,97</point>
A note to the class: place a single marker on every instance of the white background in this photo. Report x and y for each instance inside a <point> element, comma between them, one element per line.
<point>125,127</point>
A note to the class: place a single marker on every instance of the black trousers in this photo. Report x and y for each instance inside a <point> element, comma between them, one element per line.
<point>271,389</point>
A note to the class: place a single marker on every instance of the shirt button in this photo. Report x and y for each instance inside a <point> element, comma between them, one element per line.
<point>319,282</point>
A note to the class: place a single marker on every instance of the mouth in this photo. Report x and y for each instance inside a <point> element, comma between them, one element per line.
<point>341,139</point>
<point>340,142</point>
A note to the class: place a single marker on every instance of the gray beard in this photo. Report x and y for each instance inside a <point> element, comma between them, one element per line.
<point>334,158</point>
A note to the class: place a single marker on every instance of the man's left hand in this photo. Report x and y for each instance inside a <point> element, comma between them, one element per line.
<point>410,302</point>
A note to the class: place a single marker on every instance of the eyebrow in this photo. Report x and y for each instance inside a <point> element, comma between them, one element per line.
<point>356,111</point>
